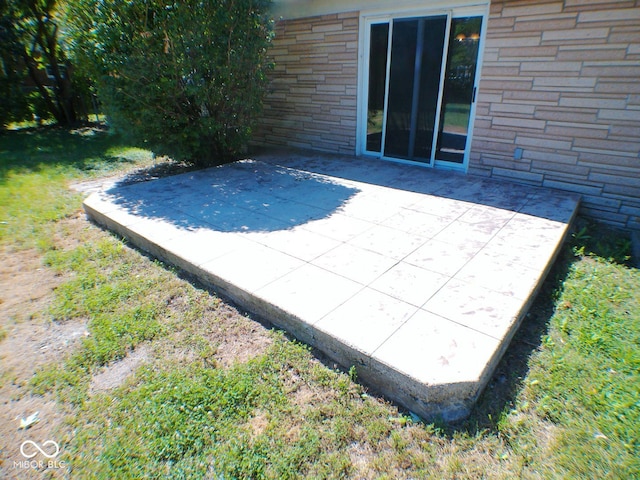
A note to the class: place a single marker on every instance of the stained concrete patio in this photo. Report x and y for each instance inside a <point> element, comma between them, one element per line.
<point>418,277</point>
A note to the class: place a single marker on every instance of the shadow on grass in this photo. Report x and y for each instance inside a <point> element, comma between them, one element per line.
<point>81,149</point>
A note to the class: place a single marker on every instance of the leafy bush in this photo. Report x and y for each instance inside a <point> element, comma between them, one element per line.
<point>14,106</point>
<point>187,78</point>
<point>37,77</point>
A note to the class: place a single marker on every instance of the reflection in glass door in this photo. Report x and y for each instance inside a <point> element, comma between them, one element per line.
<point>421,87</point>
<point>379,41</point>
<point>459,88</point>
<point>414,79</point>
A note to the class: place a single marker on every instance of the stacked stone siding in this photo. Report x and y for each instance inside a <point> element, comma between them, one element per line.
<point>558,103</point>
<point>561,81</point>
<point>312,99</point>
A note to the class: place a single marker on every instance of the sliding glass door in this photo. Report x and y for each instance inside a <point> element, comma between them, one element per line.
<point>414,78</point>
<point>421,86</point>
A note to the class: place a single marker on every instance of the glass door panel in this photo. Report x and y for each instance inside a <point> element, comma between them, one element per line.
<point>379,44</point>
<point>421,87</point>
<point>458,90</point>
<point>431,69</point>
<point>414,79</point>
<point>403,56</point>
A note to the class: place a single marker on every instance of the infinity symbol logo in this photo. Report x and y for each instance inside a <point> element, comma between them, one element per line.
<point>39,449</point>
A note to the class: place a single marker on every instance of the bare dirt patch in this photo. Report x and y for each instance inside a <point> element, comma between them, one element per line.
<point>25,285</point>
<point>114,375</point>
<point>30,340</point>
<point>31,337</point>
<point>361,456</point>
<point>241,341</point>
<point>12,461</point>
<point>226,336</point>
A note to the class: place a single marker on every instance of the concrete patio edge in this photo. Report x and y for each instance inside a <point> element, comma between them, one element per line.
<point>450,401</point>
<point>427,401</point>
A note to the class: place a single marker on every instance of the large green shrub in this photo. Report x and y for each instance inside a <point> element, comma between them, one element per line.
<point>186,77</point>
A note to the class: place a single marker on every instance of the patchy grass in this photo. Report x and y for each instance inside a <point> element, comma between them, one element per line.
<point>117,293</point>
<point>219,395</point>
<point>201,422</point>
<point>585,379</point>
<point>37,165</point>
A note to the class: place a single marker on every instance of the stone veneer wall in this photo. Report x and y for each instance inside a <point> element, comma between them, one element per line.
<point>561,81</point>
<point>312,102</point>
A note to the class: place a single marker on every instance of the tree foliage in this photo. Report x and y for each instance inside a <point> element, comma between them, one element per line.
<point>33,57</point>
<point>13,105</point>
<point>186,77</point>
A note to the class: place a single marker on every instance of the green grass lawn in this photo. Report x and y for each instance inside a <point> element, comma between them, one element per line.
<point>564,402</point>
<point>36,165</point>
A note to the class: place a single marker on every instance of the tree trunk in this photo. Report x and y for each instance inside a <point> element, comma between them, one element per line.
<point>33,73</point>
<point>48,41</point>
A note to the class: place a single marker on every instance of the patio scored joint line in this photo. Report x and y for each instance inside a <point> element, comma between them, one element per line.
<point>417,277</point>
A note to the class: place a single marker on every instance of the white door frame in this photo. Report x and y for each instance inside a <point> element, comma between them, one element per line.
<point>369,18</point>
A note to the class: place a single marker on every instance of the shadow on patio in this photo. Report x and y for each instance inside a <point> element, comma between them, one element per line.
<point>246,196</point>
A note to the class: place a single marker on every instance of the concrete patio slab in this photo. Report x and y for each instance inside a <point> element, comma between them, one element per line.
<point>419,278</point>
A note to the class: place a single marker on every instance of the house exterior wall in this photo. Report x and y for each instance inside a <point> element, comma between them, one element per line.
<point>558,103</point>
<point>561,81</point>
<point>313,93</point>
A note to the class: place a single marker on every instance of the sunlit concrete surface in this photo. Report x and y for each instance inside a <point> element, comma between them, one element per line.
<point>417,277</point>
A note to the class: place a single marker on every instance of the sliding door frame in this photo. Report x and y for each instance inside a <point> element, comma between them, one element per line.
<point>367,19</point>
